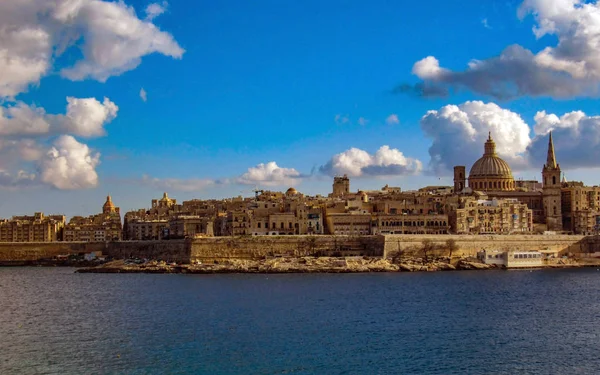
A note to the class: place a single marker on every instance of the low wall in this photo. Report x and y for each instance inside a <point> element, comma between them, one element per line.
<point>219,248</point>
<point>471,244</point>
<point>31,251</point>
<point>169,251</point>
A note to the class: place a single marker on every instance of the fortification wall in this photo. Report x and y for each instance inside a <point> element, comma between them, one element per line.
<point>31,251</point>
<point>219,248</point>
<point>470,245</point>
<point>169,251</point>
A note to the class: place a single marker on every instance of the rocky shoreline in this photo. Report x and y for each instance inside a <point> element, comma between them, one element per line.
<point>302,265</point>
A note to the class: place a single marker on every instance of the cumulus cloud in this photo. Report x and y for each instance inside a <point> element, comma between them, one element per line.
<point>385,162</point>
<point>269,174</point>
<point>458,133</point>
<point>176,184</point>
<point>576,139</point>
<point>570,68</point>
<point>111,37</point>
<point>84,117</point>
<point>69,165</point>
<point>392,119</point>
<point>21,119</point>
<point>143,94</point>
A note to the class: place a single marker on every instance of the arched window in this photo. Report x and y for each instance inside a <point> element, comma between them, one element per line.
<point>258,225</point>
<point>553,180</point>
<point>554,210</point>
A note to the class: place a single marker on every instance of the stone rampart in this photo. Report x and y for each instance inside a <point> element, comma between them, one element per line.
<point>259,247</point>
<point>470,244</point>
<point>169,251</point>
<point>31,251</point>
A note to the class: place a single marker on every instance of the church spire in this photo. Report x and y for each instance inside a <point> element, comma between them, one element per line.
<point>551,158</point>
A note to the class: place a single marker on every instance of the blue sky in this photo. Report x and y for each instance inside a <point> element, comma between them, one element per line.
<point>292,82</point>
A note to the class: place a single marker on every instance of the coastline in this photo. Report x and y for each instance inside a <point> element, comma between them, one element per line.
<point>310,265</point>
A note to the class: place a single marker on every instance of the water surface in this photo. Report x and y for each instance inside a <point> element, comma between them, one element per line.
<point>53,321</point>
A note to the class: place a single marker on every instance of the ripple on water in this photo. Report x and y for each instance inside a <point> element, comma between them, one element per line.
<point>53,321</point>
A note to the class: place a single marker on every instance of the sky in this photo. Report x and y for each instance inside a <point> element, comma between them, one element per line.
<point>209,99</point>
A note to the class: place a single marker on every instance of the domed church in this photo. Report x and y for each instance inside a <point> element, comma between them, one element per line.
<point>493,176</point>
<point>490,172</point>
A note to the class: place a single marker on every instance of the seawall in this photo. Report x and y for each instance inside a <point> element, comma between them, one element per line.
<point>259,247</point>
<point>253,248</point>
<point>469,245</point>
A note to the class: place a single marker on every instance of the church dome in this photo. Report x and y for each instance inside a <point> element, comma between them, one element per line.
<point>490,166</point>
<point>490,172</point>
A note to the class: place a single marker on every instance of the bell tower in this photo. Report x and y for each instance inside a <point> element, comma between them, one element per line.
<point>551,189</point>
<point>459,178</point>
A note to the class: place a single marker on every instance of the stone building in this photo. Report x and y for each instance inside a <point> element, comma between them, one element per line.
<point>341,186</point>
<point>492,175</point>
<point>489,172</point>
<point>105,226</point>
<point>189,226</point>
<point>36,228</point>
<point>580,208</point>
<point>551,190</point>
<point>410,224</point>
<point>349,223</point>
<point>506,216</point>
<point>140,229</point>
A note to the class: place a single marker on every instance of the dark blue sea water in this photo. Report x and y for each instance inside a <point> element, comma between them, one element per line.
<point>53,321</point>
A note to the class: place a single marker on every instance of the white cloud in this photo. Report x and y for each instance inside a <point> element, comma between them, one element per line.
<point>576,139</point>
<point>69,165</point>
<point>111,37</point>
<point>269,174</point>
<point>458,134</point>
<point>571,68</point>
<point>188,185</point>
<point>362,121</point>
<point>427,68</point>
<point>114,38</point>
<point>392,119</point>
<point>385,162</point>
<point>21,119</point>
<point>85,117</point>
<point>25,46</point>
<point>485,23</point>
<point>143,94</point>
<point>155,9</point>
<point>341,119</point>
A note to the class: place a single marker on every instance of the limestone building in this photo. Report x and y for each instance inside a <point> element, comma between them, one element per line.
<point>341,186</point>
<point>506,216</point>
<point>105,226</point>
<point>551,190</point>
<point>493,176</point>
<point>489,172</point>
<point>36,228</point>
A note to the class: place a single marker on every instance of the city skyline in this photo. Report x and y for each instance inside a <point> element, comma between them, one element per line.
<point>285,96</point>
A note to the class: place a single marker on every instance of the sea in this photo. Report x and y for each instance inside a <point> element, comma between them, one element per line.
<point>56,321</point>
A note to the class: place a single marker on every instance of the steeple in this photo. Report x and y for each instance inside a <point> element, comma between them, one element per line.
<point>551,158</point>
